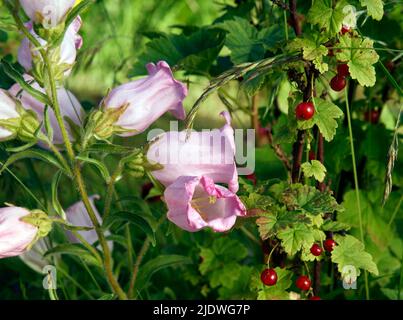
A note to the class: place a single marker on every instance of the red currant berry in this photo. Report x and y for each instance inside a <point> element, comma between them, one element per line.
<point>303,283</point>
<point>345,29</point>
<point>342,70</point>
<point>305,111</point>
<point>252,178</point>
<point>390,66</point>
<point>338,83</point>
<point>316,250</point>
<point>312,155</point>
<point>329,245</point>
<point>269,277</point>
<point>372,116</point>
<point>315,298</point>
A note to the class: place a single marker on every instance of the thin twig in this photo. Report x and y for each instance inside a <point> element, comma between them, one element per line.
<point>357,188</point>
<point>281,4</point>
<point>139,260</point>
<point>278,150</point>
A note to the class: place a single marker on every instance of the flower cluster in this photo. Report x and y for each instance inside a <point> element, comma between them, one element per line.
<point>192,166</point>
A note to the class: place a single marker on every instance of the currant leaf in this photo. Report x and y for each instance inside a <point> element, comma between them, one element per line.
<point>323,14</point>
<point>374,8</point>
<point>335,226</point>
<point>270,223</point>
<point>312,50</point>
<point>360,56</point>
<point>314,169</point>
<point>351,252</point>
<point>325,117</point>
<point>195,52</point>
<point>293,238</point>
<point>310,200</point>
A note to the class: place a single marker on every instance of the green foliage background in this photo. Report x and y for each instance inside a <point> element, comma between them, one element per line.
<point>119,37</point>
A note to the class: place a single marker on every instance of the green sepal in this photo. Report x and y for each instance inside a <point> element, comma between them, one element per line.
<point>102,123</point>
<point>40,220</point>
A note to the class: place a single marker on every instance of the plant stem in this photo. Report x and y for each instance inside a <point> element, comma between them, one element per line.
<point>394,214</point>
<point>27,190</point>
<point>139,260</point>
<point>400,285</point>
<point>75,282</point>
<point>109,193</point>
<point>278,150</point>
<point>57,154</point>
<point>285,25</point>
<point>129,245</point>
<point>79,181</point>
<point>250,235</point>
<point>357,190</point>
<point>255,117</point>
<point>86,244</point>
<point>271,253</point>
<point>81,185</point>
<point>297,153</point>
<point>107,254</point>
<point>294,17</point>
<point>320,156</point>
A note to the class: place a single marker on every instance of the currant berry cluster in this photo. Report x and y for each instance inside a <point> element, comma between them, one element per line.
<point>339,81</point>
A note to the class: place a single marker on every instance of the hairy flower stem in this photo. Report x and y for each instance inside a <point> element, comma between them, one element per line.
<point>139,260</point>
<point>110,191</point>
<point>78,179</point>
<point>357,190</point>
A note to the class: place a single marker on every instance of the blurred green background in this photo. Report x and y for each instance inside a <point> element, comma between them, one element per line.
<point>115,33</point>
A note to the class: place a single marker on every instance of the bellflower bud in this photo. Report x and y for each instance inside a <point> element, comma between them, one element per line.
<point>131,108</point>
<point>20,229</point>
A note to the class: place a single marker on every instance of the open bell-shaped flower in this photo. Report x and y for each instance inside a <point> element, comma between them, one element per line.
<point>207,153</point>
<point>195,203</point>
